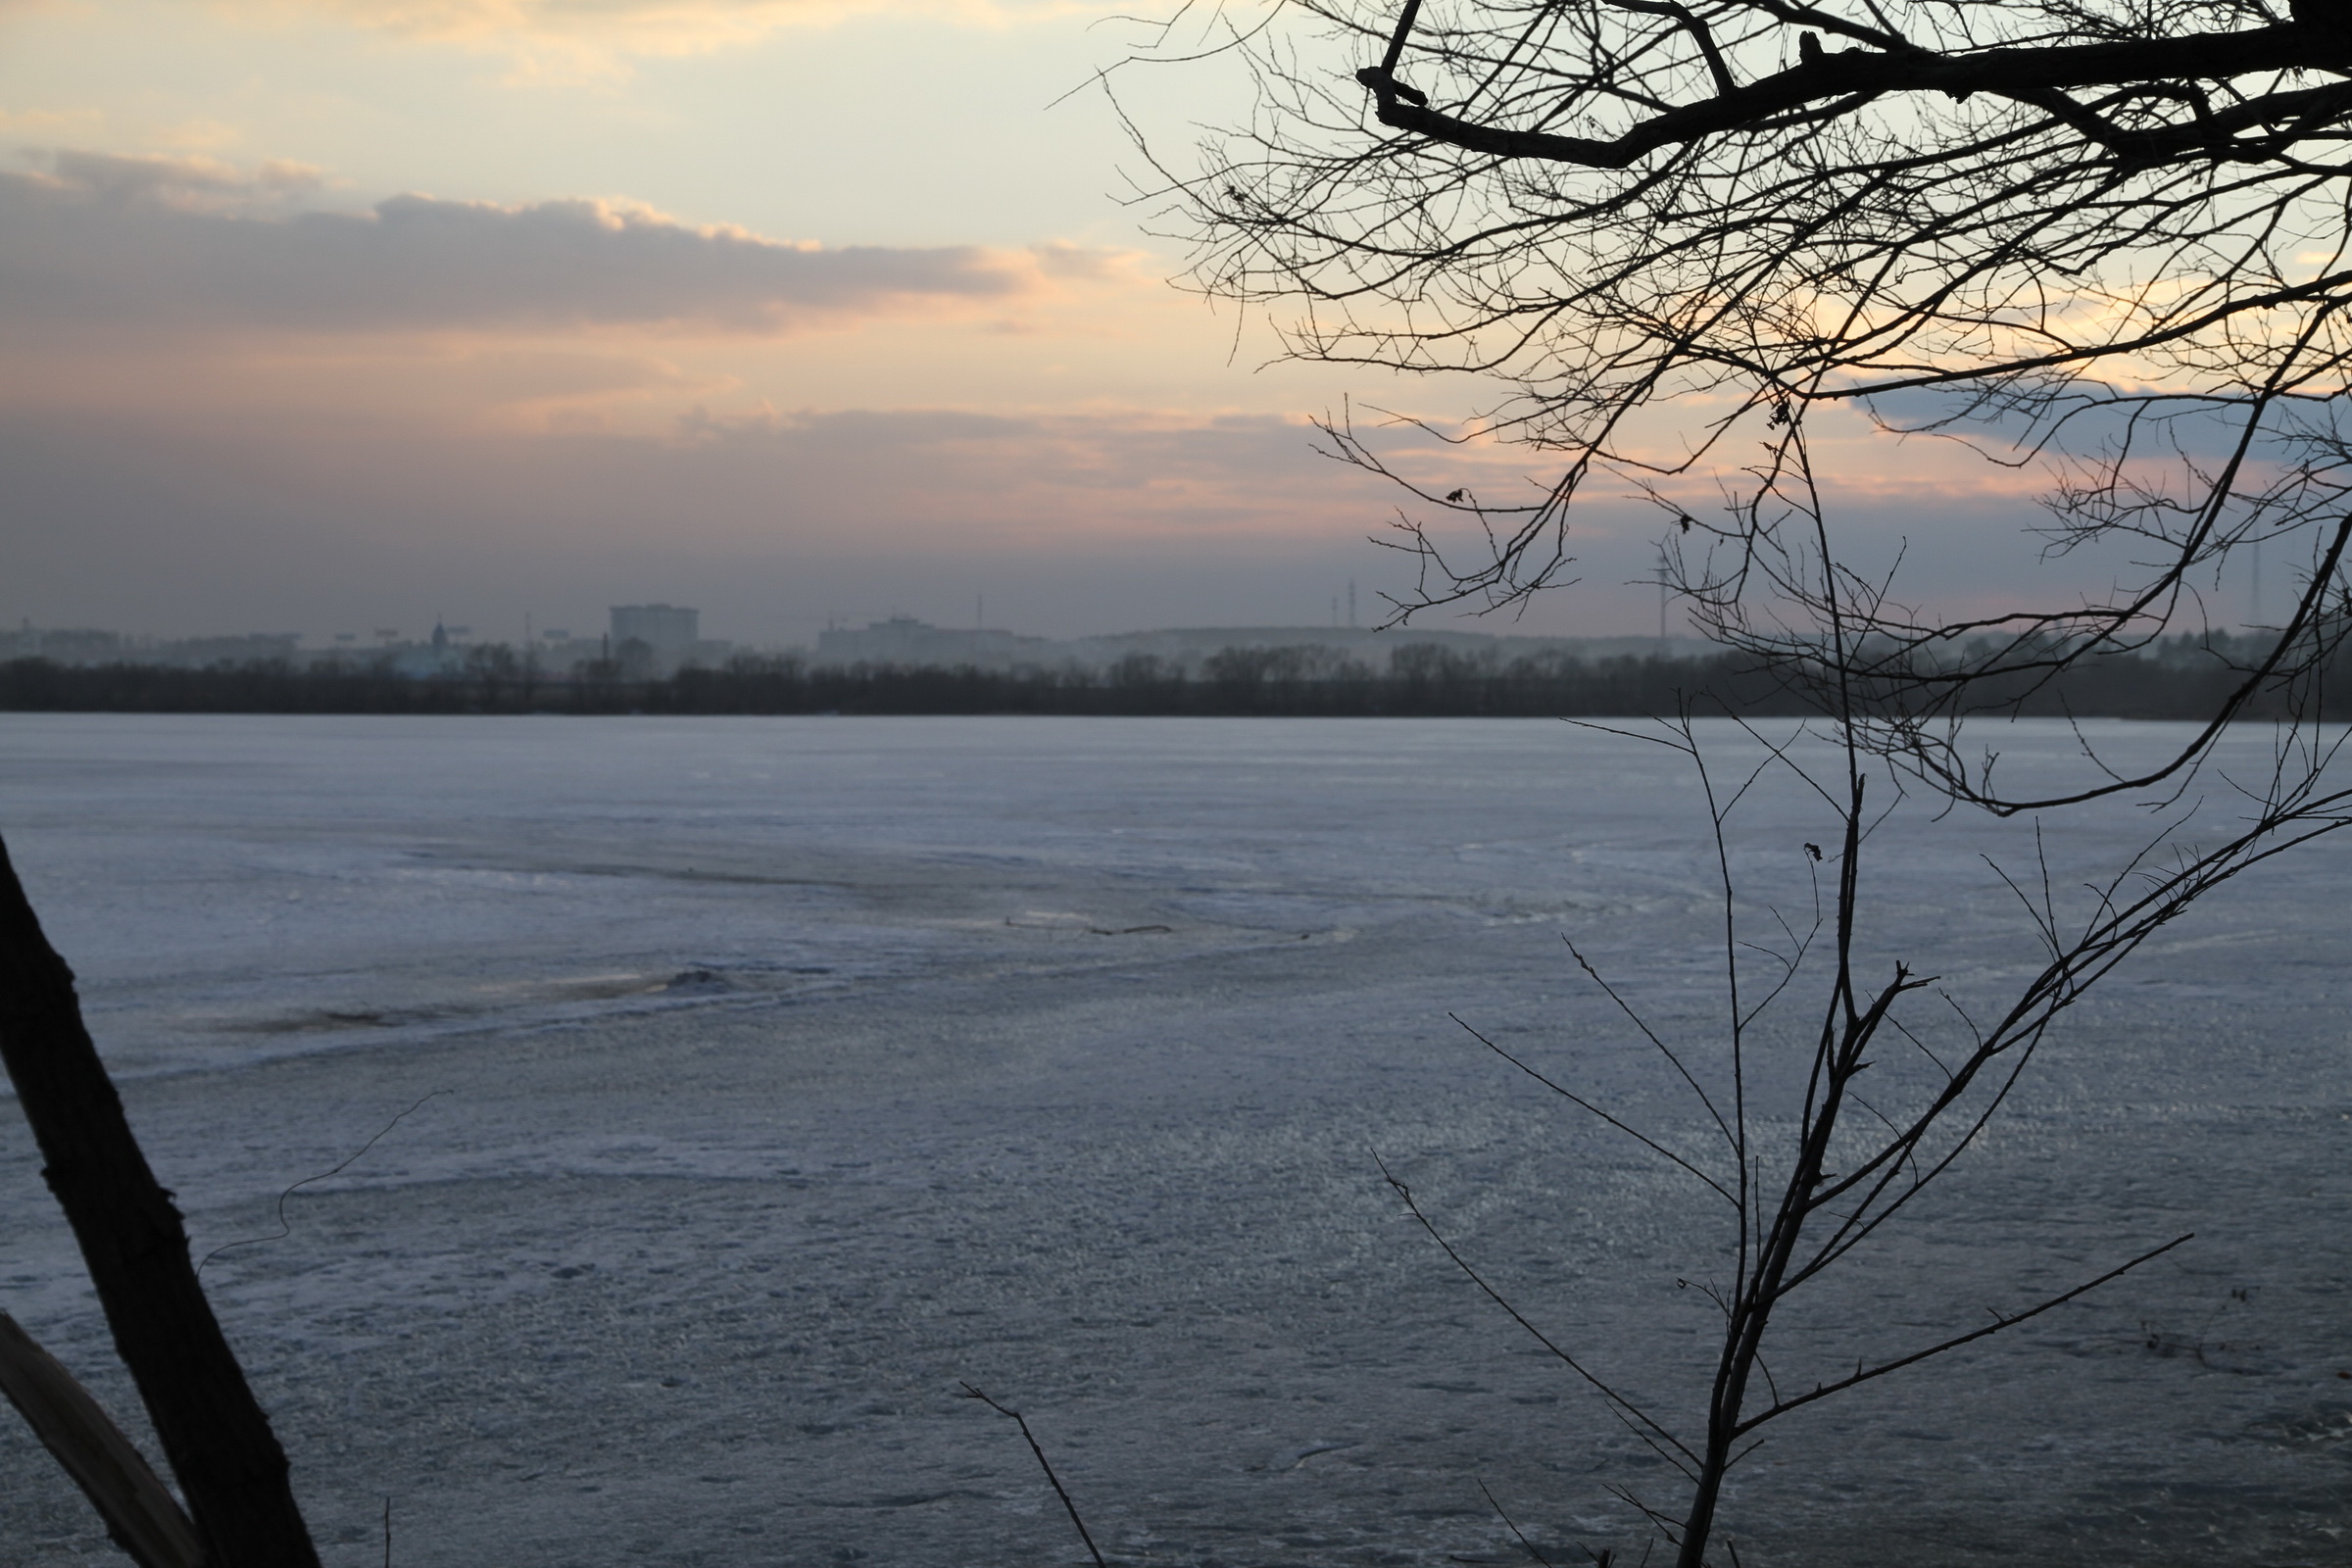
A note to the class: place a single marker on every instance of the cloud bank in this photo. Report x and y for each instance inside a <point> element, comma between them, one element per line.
<point>107,241</point>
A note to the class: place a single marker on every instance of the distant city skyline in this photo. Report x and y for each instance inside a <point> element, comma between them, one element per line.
<point>614,625</point>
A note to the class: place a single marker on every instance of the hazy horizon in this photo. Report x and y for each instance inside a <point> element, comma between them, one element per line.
<point>591,626</point>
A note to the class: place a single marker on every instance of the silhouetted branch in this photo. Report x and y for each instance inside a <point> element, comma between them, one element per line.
<point>143,1518</point>
<point>215,1434</point>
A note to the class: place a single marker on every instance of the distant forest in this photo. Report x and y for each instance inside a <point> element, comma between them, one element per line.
<point>2177,678</point>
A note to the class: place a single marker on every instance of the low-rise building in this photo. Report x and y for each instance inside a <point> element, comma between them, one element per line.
<point>909,643</point>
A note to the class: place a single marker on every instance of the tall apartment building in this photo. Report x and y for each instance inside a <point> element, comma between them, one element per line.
<point>666,630</point>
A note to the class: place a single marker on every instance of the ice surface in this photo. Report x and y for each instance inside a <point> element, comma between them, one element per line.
<point>791,1071</point>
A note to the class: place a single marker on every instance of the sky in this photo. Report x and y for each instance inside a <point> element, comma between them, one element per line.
<point>342,316</point>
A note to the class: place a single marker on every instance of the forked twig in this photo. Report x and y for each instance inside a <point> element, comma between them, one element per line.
<point>1582,1104</point>
<point>1045,1464</point>
<point>1824,1391</point>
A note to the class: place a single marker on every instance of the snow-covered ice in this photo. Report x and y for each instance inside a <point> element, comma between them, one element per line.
<point>783,1074</point>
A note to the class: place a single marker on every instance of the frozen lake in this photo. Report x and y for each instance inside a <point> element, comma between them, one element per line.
<point>785,1073</point>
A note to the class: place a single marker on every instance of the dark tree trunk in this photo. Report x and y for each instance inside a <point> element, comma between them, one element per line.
<point>214,1433</point>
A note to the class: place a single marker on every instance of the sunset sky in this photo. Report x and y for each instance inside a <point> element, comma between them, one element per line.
<point>326,316</point>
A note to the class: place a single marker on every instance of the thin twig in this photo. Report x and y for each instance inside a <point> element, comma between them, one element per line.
<point>1514,1529</point>
<point>285,1227</point>
<point>1626,1410</point>
<point>1582,1104</point>
<point>1824,1391</point>
<point>1045,1464</point>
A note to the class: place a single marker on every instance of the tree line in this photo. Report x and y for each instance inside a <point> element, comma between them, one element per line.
<point>2177,678</point>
